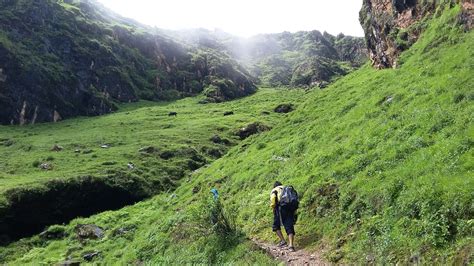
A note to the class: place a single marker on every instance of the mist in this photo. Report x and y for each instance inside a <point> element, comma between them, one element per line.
<point>245,18</point>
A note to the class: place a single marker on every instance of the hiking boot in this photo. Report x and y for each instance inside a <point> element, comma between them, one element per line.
<point>282,244</point>
<point>292,249</point>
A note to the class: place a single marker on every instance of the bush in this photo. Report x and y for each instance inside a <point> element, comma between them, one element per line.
<point>36,164</point>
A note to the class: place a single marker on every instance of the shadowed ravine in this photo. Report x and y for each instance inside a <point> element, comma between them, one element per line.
<point>29,211</point>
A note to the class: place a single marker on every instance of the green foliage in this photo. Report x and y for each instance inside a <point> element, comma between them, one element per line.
<point>286,54</point>
<point>5,41</point>
<point>315,71</point>
<point>226,79</point>
<point>274,58</point>
<point>382,159</point>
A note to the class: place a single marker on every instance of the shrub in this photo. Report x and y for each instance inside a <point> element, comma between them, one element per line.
<point>36,164</point>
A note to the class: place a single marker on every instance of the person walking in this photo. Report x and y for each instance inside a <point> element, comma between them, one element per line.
<point>284,202</point>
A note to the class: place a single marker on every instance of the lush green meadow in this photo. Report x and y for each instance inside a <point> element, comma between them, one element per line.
<point>383,161</point>
<point>135,126</point>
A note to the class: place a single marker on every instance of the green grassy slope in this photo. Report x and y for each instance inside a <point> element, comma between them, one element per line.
<point>383,161</point>
<point>134,127</point>
<point>86,178</point>
<point>383,158</point>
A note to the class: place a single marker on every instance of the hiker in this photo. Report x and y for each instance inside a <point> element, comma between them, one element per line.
<point>284,202</point>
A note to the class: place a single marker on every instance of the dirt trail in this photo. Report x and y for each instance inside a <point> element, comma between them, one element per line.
<point>299,257</point>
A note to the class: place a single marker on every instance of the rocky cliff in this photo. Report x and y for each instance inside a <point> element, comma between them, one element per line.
<point>60,59</point>
<point>392,26</point>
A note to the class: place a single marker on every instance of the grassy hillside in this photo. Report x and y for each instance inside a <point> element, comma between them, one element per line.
<point>62,59</point>
<point>135,126</point>
<point>84,174</point>
<point>383,161</point>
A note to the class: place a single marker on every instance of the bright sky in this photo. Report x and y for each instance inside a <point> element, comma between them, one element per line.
<point>245,17</point>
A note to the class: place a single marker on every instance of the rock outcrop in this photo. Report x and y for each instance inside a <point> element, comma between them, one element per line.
<point>392,26</point>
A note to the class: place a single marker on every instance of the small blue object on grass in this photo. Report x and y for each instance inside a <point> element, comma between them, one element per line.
<point>215,193</point>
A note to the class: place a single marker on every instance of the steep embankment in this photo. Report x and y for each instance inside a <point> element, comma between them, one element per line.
<point>383,161</point>
<point>60,59</point>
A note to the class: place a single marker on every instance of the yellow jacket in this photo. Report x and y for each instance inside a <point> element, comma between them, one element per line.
<point>273,197</point>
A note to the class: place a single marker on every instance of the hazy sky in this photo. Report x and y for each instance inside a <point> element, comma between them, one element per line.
<point>245,17</point>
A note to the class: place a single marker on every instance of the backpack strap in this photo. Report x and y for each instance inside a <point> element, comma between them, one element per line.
<point>276,197</point>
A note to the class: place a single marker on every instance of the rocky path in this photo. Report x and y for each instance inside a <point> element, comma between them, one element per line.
<point>299,257</point>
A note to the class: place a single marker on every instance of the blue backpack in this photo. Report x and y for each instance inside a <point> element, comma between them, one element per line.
<point>289,198</point>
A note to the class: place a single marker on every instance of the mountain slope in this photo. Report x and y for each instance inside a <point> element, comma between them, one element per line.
<point>57,172</point>
<point>383,161</point>
<point>303,58</point>
<point>60,59</point>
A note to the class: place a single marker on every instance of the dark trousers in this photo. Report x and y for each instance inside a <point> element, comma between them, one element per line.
<point>287,217</point>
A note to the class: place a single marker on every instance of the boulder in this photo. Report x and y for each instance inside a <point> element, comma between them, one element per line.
<point>89,231</point>
<point>89,256</point>
<point>216,139</point>
<point>46,166</point>
<point>166,155</point>
<point>252,129</point>
<point>284,108</point>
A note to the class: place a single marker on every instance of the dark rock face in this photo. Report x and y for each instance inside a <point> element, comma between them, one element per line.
<point>391,26</point>
<point>59,60</point>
